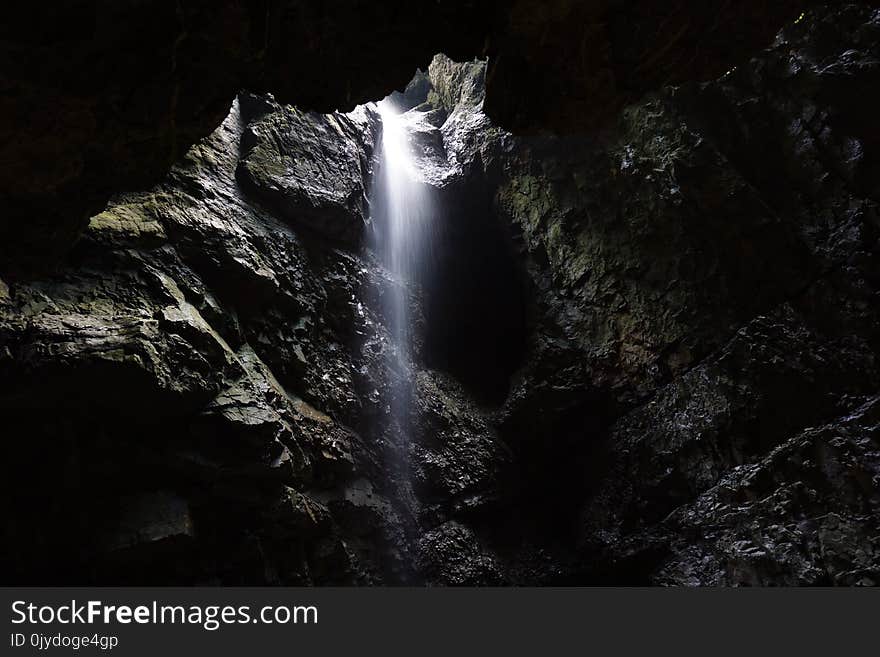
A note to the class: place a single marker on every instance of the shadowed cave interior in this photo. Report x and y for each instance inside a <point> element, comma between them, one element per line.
<point>512,325</point>
<point>476,307</point>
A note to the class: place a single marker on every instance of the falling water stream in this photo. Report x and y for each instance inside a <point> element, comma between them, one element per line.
<point>401,208</point>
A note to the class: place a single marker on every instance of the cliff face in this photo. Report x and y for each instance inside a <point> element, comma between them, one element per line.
<point>712,267</point>
<point>208,375</point>
<point>648,355</point>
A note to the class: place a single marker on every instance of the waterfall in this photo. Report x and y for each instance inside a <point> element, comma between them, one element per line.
<point>401,208</point>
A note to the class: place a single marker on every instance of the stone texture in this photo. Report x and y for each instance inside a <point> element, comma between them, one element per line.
<point>756,323</point>
<point>312,170</point>
<point>646,356</point>
<point>208,373</point>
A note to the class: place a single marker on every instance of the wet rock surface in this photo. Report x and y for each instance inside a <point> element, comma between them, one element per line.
<point>730,341</point>
<point>646,356</point>
<point>222,335</point>
<point>311,169</point>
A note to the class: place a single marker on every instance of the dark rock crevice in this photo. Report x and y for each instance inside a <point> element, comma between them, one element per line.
<point>475,303</point>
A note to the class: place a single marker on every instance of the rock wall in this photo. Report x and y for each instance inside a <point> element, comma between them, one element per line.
<point>647,355</point>
<point>201,395</point>
<point>709,268</point>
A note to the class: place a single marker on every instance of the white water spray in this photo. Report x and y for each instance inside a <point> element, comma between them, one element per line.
<point>401,212</point>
